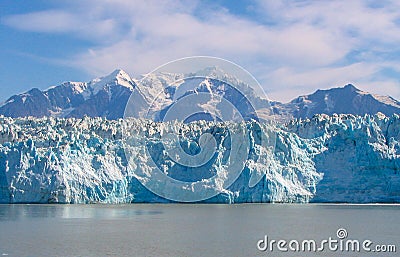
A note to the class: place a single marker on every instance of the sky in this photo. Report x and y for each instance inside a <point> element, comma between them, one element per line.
<point>291,47</point>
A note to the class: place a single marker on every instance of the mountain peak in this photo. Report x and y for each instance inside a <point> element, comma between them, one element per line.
<point>119,73</point>
<point>344,100</point>
<point>117,77</point>
<point>213,71</point>
<point>351,87</point>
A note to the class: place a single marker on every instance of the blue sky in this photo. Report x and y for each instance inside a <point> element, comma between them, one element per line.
<point>291,47</point>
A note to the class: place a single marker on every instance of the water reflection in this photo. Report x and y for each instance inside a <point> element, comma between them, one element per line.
<point>26,211</point>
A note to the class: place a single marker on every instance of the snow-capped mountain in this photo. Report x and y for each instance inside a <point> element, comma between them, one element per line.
<point>343,100</point>
<point>104,97</point>
<point>151,98</point>
<point>202,94</point>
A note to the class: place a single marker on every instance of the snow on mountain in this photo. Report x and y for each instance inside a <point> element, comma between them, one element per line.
<point>104,97</point>
<point>339,158</point>
<point>116,78</point>
<point>38,103</point>
<point>345,100</point>
<point>204,93</point>
<point>153,95</point>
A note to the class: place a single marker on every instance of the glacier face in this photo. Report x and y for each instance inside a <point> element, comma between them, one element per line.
<point>340,158</point>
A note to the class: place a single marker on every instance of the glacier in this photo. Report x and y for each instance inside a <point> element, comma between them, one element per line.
<point>337,158</point>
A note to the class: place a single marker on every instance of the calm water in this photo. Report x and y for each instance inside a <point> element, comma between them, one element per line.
<point>186,230</point>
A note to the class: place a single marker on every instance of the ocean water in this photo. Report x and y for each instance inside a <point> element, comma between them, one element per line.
<point>191,229</point>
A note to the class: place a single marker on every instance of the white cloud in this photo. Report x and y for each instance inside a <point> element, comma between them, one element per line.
<point>302,82</point>
<point>158,36</point>
<point>292,47</point>
<point>43,21</point>
<point>62,21</point>
<point>355,20</point>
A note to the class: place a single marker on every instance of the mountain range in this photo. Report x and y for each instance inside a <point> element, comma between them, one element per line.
<point>152,96</point>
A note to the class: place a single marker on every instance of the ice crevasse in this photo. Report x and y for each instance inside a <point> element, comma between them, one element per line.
<point>339,158</point>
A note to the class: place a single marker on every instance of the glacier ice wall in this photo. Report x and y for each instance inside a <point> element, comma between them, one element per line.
<point>340,158</point>
<point>361,160</point>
